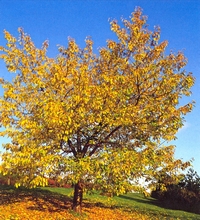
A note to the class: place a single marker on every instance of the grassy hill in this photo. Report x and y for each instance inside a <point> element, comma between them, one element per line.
<point>55,203</point>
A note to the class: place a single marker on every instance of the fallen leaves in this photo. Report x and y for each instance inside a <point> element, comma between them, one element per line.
<point>28,207</point>
<point>41,205</point>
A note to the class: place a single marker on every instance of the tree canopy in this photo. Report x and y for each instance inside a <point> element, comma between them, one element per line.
<point>93,118</point>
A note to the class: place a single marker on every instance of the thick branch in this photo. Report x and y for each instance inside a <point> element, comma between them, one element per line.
<point>92,137</point>
<point>112,132</point>
<point>105,140</point>
<point>94,149</point>
<point>72,148</point>
<point>78,141</point>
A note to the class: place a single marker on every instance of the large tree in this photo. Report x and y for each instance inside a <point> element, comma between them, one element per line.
<point>93,120</point>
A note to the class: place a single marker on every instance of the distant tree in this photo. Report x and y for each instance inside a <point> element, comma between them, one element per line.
<point>93,120</point>
<point>184,194</point>
<point>191,181</point>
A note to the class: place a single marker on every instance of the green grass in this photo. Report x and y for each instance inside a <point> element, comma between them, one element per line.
<point>131,202</point>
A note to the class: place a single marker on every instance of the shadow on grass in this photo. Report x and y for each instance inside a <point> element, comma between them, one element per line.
<point>166,204</point>
<point>139,201</point>
<point>41,199</point>
<point>146,200</point>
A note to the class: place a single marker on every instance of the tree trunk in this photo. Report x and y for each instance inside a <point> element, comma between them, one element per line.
<point>78,197</point>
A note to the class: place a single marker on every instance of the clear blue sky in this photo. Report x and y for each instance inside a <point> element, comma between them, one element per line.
<point>55,20</point>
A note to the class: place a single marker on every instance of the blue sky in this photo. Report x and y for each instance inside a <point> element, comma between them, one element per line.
<point>56,20</point>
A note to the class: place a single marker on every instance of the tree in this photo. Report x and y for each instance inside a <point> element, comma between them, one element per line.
<point>182,194</point>
<point>191,181</point>
<point>93,120</point>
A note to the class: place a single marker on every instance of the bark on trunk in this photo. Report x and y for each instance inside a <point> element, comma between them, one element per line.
<point>78,197</point>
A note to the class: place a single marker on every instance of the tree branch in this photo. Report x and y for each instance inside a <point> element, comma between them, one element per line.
<point>105,140</point>
<point>72,147</point>
<point>112,132</point>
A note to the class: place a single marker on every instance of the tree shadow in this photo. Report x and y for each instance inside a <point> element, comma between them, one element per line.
<point>166,204</point>
<point>147,200</point>
<point>36,199</point>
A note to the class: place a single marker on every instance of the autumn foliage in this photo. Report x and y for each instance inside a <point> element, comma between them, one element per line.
<point>95,120</point>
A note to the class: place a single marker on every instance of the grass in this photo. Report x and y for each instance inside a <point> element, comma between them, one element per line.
<point>55,203</point>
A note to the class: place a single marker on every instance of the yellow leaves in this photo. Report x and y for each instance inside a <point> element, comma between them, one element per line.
<point>114,26</point>
<point>38,181</point>
<point>73,47</point>
<point>17,185</point>
<point>186,108</point>
<point>33,206</point>
<point>105,54</point>
<point>89,43</point>
<point>139,57</point>
<point>11,68</point>
<point>9,38</point>
<point>111,44</point>
<point>130,45</point>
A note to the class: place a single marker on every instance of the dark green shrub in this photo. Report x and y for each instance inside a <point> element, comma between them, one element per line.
<point>185,195</point>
